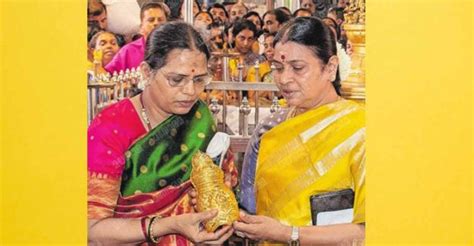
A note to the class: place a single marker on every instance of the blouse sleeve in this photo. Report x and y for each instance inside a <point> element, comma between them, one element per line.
<point>105,165</point>
<point>249,166</point>
<point>247,180</point>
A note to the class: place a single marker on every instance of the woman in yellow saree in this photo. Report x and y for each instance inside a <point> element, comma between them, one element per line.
<point>314,147</point>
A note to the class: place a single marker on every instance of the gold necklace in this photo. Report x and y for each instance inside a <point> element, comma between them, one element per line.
<point>144,114</point>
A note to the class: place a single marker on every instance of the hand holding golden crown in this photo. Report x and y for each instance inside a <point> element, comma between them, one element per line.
<point>212,193</point>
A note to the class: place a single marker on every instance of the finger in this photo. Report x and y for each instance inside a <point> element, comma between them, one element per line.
<point>245,228</point>
<point>223,231</point>
<point>219,236</point>
<point>211,236</point>
<point>228,183</point>
<point>252,237</point>
<point>250,219</point>
<point>207,215</point>
<point>239,234</point>
<point>222,238</point>
<point>192,193</point>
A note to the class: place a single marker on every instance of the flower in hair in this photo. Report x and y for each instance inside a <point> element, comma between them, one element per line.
<point>344,62</point>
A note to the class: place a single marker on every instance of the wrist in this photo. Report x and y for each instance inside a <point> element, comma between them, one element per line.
<point>285,234</point>
<point>153,234</point>
<point>295,236</point>
<point>170,226</point>
<point>163,227</point>
<point>178,224</point>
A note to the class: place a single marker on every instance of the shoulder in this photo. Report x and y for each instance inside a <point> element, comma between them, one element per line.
<point>119,120</point>
<point>271,121</point>
<point>132,46</point>
<point>346,107</point>
<point>347,103</point>
<point>138,44</point>
<point>352,116</point>
<point>202,111</point>
<point>110,114</point>
<point>110,134</point>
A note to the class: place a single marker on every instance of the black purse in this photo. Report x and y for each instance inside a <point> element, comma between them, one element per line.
<point>332,207</point>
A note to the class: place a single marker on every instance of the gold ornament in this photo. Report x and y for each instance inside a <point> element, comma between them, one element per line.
<point>208,179</point>
<point>354,13</point>
<point>353,87</point>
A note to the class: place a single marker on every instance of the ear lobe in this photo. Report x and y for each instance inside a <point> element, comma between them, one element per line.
<point>145,70</point>
<point>333,64</point>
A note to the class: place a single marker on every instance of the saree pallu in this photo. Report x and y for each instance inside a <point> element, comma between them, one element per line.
<point>155,179</point>
<point>133,174</point>
<point>319,151</point>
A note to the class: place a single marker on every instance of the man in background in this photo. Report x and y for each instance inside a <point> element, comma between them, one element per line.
<point>131,55</point>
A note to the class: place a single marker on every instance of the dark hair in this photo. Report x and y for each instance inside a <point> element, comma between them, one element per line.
<point>198,4</point>
<point>204,12</point>
<point>175,8</point>
<point>215,25</point>
<point>152,5</point>
<point>269,34</point>
<point>227,3</point>
<point>253,13</point>
<point>218,6</point>
<point>98,11</point>
<point>93,40</point>
<point>301,10</point>
<point>242,4</point>
<point>93,27</point>
<point>243,24</point>
<point>335,25</point>
<point>181,2</point>
<point>279,14</point>
<point>283,8</point>
<point>314,34</point>
<point>170,36</point>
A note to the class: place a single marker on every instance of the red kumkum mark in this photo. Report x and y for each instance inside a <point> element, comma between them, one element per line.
<point>283,57</point>
<point>192,70</point>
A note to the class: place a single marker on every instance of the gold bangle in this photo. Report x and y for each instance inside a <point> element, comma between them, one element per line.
<point>150,230</point>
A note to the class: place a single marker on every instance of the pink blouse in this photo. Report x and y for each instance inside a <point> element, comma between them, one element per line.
<point>110,135</point>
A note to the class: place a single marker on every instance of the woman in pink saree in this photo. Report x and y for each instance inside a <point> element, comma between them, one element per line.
<point>140,149</point>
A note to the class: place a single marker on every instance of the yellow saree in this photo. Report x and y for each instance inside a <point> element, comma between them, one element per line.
<point>319,151</point>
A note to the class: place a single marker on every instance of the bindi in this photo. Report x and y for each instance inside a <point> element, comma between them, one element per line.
<point>283,57</point>
<point>192,70</point>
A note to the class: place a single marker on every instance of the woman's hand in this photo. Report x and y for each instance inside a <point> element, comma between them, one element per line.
<point>193,195</point>
<point>189,225</point>
<point>262,228</point>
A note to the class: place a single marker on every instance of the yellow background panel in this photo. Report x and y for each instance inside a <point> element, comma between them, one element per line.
<point>420,108</point>
<point>419,122</point>
<point>44,122</point>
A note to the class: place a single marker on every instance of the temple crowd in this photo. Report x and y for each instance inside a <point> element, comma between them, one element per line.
<point>120,29</point>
